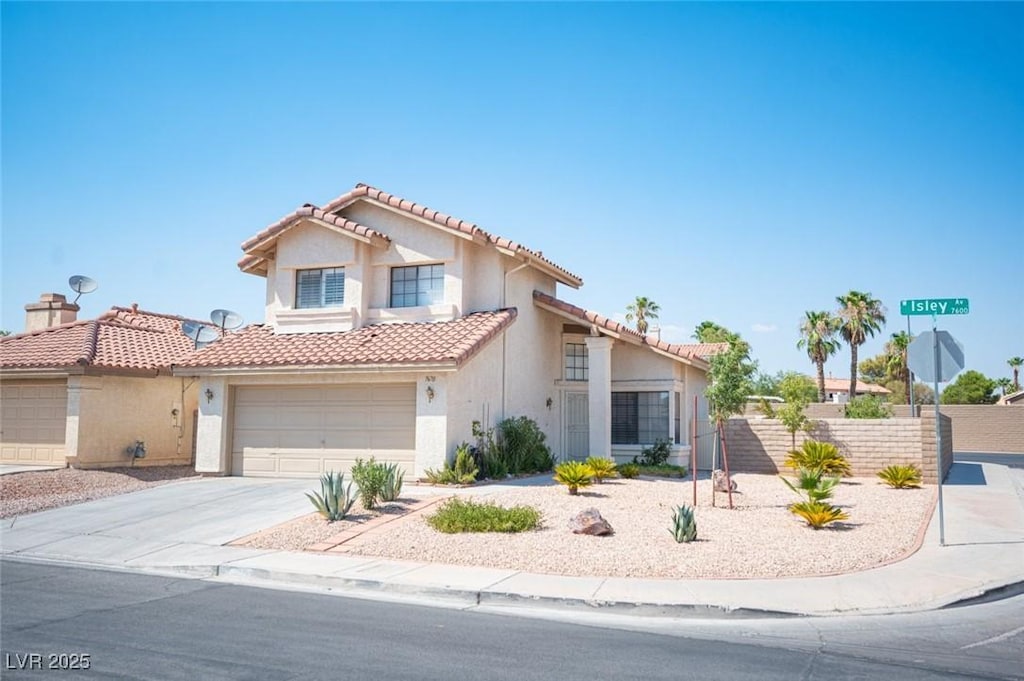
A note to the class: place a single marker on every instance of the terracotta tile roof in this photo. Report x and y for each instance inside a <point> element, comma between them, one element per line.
<point>695,351</point>
<point>842,385</point>
<point>254,260</point>
<point>121,338</point>
<point>403,344</point>
<point>365,191</point>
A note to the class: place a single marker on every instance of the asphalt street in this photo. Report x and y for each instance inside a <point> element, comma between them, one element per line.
<point>134,626</point>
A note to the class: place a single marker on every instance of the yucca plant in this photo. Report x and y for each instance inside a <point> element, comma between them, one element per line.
<point>684,525</point>
<point>901,477</point>
<point>812,484</point>
<point>462,472</point>
<point>629,470</point>
<point>601,468</point>
<point>335,499</point>
<point>393,478</point>
<point>573,474</point>
<point>823,456</point>
<point>818,514</point>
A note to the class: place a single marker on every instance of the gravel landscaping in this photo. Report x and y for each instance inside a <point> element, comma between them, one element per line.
<point>33,491</point>
<point>759,538</point>
<point>311,529</point>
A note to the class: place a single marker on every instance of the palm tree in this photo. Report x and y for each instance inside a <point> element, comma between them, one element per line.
<point>817,334</point>
<point>896,360</point>
<point>861,316</point>
<point>642,309</point>
<point>1005,384</point>
<point>1015,364</point>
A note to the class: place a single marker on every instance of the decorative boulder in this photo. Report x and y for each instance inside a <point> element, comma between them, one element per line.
<point>719,479</point>
<point>589,521</point>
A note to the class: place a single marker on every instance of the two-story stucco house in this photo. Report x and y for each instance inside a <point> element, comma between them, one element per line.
<point>391,327</point>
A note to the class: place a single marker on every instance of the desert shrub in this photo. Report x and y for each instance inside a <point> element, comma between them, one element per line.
<point>393,479</point>
<point>822,456</point>
<point>812,484</point>
<point>684,525</point>
<point>818,514</point>
<point>462,472</point>
<point>901,477</point>
<point>868,407</point>
<point>369,477</point>
<point>522,446</point>
<point>573,474</point>
<point>601,468</point>
<point>664,470</point>
<point>458,515</point>
<point>655,455</point>
<point>335,499</point>
<point>628,470</point>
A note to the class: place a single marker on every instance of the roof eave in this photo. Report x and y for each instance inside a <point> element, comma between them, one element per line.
<point>406,367</point>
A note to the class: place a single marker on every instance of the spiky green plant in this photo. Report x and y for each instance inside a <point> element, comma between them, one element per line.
<point>573,474</point>
<point>812,484</point>
<point>629,470</point>
<point>335,499</point>
<point>393,479</point>
<point>823,456</point>
<point>601,468</point>
<point>369,477</point>
<point>817,514</point>
<point>462,472</point>
<point>684,525</point>
<point>901,477</point>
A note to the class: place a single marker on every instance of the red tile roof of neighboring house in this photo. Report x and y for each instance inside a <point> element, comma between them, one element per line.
<point>397,345</point>
<point>366,192</point>
<point>122,338</point>
<point>693,351</point>
<point>842,385</point>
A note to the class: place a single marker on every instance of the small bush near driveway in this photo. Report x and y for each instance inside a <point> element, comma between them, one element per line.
<point>458,515</point>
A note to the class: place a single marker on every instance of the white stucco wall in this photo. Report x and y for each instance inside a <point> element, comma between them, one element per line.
<point>634,363</point>
<point>474,395</point>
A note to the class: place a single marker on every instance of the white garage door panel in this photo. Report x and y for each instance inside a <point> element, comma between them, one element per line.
<point>33,416</point>
<point>304,431</point>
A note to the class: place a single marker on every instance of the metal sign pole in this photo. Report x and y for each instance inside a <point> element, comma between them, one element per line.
<point>938,432</point>
<point>910,374</point>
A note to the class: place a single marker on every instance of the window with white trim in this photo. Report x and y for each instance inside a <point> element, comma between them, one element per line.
<point>639,418</point>
<point>577,364</point>
<point>323,287</point>
<point>417,285</point>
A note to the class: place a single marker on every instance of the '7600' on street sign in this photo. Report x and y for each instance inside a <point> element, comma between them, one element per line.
<point>935,306</point>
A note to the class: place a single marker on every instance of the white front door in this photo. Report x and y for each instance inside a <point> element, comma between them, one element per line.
<point>577,428</point>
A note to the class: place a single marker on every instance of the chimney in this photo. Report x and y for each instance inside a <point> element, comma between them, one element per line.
<point>51,310</point>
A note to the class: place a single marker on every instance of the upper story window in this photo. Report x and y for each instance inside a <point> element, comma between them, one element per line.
<point>576,364</point>
<point>320,288</point>
<point>417,285</point>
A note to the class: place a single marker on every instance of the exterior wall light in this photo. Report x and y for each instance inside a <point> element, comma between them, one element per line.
<point>430,393</point>
<point>548,403</point>
<point>209,395</point>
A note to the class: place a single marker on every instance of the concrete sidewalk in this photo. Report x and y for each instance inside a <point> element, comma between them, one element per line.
<point>186,525</point>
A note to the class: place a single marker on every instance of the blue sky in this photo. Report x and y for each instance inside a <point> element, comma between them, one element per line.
<point>735,162</point>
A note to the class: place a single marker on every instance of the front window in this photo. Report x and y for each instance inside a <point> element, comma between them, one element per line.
<point>576,363</point>
<point>639,418</point>
<point>320,288</point>
<point>416,286</point>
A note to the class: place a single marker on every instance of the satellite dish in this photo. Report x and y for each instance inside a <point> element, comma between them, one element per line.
<point>226,319</point>
<point>200,334</point>
<point>82,284</point>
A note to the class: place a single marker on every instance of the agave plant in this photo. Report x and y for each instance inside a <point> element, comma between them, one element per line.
<point>601,468</point>
<point>335,499</point>
<point>818,514</point>
<point>812,484</point>
<point>573,474</point>
<point>823,456</point>
<point>393,479</point>
<point>901,477</point>
<point>684,525</point>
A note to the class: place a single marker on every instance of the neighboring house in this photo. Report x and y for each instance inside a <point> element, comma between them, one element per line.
<point>838,389</point>
<point>390,328</point>
<point>83,392</point>
<point>1012,398</point>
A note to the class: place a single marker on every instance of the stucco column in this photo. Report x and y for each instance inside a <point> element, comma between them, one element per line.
<point>75,438</point>
<point>599,387</point>
<point>211,434</point>
<point>431,423</point>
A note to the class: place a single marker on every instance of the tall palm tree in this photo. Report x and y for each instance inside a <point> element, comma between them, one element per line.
<point>1015,364</point>
<point>861,316</point>
<point>1005,384</point>
<point>817,335</point>
<point>641,310</point>
<point>896,360</point>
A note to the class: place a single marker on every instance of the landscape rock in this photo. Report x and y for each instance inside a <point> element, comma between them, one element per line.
<point>589,521</point>
<point>718,476</point>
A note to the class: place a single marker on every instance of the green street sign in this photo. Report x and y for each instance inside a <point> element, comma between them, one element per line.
<point>935,306</point>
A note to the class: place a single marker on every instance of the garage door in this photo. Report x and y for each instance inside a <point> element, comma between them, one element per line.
<point>32,420</point>
<point>303,431</point>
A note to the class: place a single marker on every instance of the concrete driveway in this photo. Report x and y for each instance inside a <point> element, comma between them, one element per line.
<point>191,518</point>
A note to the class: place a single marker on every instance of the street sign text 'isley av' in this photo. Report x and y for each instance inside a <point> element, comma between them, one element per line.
<point>934,306</point>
